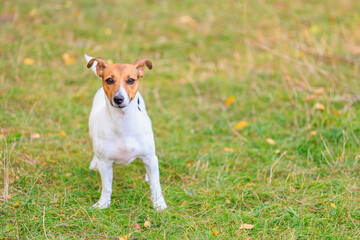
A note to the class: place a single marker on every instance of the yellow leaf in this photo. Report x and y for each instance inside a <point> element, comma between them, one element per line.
<point>28,61</point>
<point>314,29</point>
<point>187,20</point>
<point>313,133</point>
<point>319,106</point>
<point>241,125</point>
<point>147,224</point>
<point>246,226</point>
<point>270,141</point>
<point>333,205</point>
<point>214,232</point>
<point>68,4</point>
<point>302,54</point>
<point>226,149</point>
<point>125,237</point>
<point>62,133</point>
<point>1,136</point>
<point>229,101</point>
<point>17,204</point>
<point>108,31</point>
<point>82,198</point>
<point>35,136</point>
<point>336,113</point>
<point>32,12</point>
<point>68,59</point>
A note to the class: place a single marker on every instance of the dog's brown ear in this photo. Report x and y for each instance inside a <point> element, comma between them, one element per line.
<point>139,64</point>
<point>101,65</point>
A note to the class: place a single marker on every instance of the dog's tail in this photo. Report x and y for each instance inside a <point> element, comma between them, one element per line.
<point>93,67</point>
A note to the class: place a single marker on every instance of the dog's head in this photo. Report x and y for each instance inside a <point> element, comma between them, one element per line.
<point>120,81</point>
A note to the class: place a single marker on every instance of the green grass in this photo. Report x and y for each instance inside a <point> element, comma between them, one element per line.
<point>267,54</point>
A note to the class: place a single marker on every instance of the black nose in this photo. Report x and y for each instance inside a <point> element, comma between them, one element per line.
<point>118,99</point>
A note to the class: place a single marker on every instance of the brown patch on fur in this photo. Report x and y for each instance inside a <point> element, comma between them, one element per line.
<point>102,64</point>
<point>120,73</point>
<point>139,64</point>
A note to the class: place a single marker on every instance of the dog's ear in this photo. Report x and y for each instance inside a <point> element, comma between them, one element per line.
<point>139,64</point>
<point>100,66</point>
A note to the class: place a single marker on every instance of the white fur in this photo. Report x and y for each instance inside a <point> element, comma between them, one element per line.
<point>120,135</point>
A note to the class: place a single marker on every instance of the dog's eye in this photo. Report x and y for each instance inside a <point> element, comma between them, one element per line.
<point>109,81</point>
<point>130,81</point>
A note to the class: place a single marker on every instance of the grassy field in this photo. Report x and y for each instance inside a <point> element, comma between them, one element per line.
<point>254,107</point>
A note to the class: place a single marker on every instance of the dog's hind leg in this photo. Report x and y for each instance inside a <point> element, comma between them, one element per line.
<point>93,163</point>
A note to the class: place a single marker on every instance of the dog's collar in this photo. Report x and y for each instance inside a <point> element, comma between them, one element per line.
<point>138,102</point>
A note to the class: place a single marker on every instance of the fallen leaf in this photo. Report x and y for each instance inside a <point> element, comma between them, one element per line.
<point>319,106</point>
<point>333,205</point>
<point>227,201</point>
<point>277,151</point>
<point>50,133</point>
<point>62,133</point>
<point>187,20</point>
<point>125,237</point>
<point>336,113</point>
<point>314,29</point>
<point>313,133</point>
<point>64,224</point>
<point>241,125</point>
<point>9,196</point>
<point>246,226</point>
<point>226,149</point>
<point>136,226</point>
<point>16,204</point>
<point>270,141</point>
<point>229,101</point>
<point>1,136</point>
<point>108,31</point>
<point>214,232</point>
<point>110,61</point>
<point>33,12</point>
<point>309,98</point>
<point>35,136</point>
<point>83,198</point>
<point>68,4</point>
<point>28,61</point>
<point>302,54</point>
<point>147,224</point>
<point>68,59</point>
<point>319,91</point>
<point>76,12</point>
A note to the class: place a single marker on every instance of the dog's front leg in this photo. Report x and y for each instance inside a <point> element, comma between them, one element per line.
<point>152,171</point>
<point>106,172</point>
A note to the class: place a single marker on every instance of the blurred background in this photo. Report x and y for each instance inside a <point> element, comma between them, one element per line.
<point>255,111</point>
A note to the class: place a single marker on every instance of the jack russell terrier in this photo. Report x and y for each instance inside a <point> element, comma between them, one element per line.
<point>120,127</point>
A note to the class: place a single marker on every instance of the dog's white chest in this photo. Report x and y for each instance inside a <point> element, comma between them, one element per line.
<point>123,150</point>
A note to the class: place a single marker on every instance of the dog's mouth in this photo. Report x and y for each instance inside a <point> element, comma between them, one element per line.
<point>118,106</point>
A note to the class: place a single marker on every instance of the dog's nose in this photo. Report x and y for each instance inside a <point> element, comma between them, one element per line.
<point>118,99</point>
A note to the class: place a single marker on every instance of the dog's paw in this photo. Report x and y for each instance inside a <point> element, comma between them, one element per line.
<point>102,204</point>
<point>146,179</point>
<point>160,204</point>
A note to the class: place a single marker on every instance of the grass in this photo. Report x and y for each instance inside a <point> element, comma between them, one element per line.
<point>292,67</point>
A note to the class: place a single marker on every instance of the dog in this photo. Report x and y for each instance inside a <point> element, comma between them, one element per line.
<point>120,127</point>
